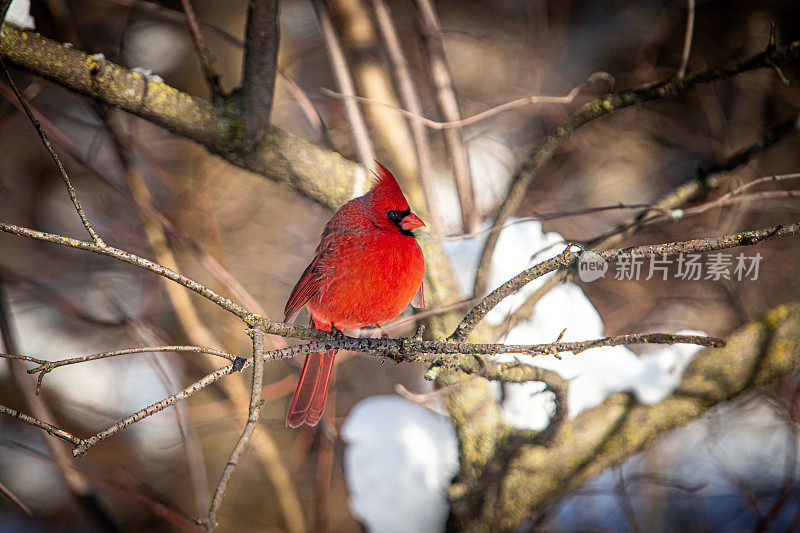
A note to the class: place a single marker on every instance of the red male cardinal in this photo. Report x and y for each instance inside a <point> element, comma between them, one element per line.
<point>367,269</point>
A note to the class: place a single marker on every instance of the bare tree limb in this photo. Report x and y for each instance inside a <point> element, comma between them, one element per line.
<point>85,444</point>
<point>133,259</point>
<point>569,258</point>
<point>564,260</point>
<point>537,476</point>
<point>398,349</point>
<point>544,150</point>
<point>48,428</point>
<point>46,367</point>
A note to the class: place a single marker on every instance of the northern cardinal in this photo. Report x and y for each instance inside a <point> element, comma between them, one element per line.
<point>367,268</point>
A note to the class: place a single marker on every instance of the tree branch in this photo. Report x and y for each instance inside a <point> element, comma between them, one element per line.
<point>260,68</point>
<point>568,258</point>
<point>687,39</point>
<point>49,428</point>
<point>416,116</point>
<point>317,173</point>
<point>133,259</point>
<point>537,477</point>
<point>544,150</point>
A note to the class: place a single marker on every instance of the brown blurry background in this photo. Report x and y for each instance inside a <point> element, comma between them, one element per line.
<point>159,475</point>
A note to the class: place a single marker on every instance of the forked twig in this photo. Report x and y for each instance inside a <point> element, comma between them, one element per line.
<point>483,115</point>
<point>48,145</point>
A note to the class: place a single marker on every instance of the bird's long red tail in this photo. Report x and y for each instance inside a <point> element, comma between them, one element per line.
<point>308,402</point>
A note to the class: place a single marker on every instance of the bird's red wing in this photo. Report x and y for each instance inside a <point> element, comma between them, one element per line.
<point>305,289</point>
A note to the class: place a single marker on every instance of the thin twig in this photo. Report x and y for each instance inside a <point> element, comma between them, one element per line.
<point>211,263</point>
<point>344,79</point>
<point>409,95</point>
<point>48,145</point>
<point>49,428</point>
<point>207,60</point>
<point>46,367</point>
<point>722,202</point>
<point>706,179</point>
<point>737,196</point>
<point>210,521</point>
<point>429,27</point>
<point>416,116</point>
<point>568,258</point>
<point>84,445</point>
<point>687,38</point>
<point>127,257</point>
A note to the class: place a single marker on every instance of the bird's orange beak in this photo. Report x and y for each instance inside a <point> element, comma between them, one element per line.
<point>410,222</point>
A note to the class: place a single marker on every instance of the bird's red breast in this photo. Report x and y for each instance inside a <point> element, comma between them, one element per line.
<point>367,268</point>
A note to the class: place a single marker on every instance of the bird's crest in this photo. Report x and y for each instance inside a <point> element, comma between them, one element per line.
<point>386,188</point>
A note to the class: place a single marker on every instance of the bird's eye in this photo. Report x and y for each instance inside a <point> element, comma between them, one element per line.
<point>394,216</point>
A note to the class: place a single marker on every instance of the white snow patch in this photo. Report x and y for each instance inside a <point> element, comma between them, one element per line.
<point>399,460</point>
<point>518,244</point>
<point>19,14</point>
